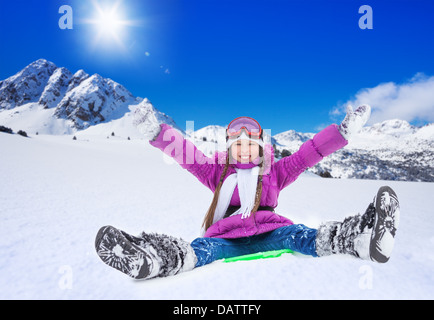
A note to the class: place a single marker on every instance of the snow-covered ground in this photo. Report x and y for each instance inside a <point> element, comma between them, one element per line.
<point>55,194</point>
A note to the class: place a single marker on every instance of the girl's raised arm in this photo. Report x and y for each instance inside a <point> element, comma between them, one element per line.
<point>187,155</point>
<point>324,143</point>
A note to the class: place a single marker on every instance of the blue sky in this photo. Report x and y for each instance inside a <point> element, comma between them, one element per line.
<point>289,64</point>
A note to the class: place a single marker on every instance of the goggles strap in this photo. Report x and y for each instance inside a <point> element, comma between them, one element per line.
<point>243,136</point>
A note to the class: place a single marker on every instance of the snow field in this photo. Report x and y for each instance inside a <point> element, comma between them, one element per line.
<point>56,193</point>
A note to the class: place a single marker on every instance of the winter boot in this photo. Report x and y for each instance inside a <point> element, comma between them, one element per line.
<point>145,257</point>
<point>369,236</point>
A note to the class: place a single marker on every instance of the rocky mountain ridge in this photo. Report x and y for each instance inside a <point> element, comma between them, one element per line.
<point>82,100</point>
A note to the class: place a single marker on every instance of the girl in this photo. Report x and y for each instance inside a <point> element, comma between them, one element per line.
<point>241,220</point>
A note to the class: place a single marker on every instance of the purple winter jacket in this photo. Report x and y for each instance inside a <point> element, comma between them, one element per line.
<point>277,175</point>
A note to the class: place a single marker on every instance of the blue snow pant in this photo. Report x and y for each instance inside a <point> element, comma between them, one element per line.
<point>296,237</point>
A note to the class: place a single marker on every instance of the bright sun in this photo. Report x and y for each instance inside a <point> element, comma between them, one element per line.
<point>110,24</point>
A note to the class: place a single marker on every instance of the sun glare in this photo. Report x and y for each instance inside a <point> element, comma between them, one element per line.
<point>110,24</point>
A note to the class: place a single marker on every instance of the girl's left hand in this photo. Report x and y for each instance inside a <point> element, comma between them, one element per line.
<point>354,120</point>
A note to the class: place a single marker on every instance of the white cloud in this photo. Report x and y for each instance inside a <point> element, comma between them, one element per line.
<point>412,100</point>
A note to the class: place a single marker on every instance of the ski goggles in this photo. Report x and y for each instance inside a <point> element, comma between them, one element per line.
<point>249,125</point>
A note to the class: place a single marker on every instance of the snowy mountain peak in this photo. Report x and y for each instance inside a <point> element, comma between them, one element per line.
<point>94,100</point>
<point>426,132</point>
<point>27,85</point>
<point>77,78</point>
<point>42,63</point>
<point>55,88</point>
<point>38,66</point>
<point>78,100</point>
<point>155,115</point>
<point>211,133</point>
<point>80,74</point>
<point>40,69</point>
<point>291,136</point>
<point>392,127</point>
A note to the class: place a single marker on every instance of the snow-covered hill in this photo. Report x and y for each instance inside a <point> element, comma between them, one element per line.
<point>57,192</point>
<point>292,139</point>
<point>391,150</point>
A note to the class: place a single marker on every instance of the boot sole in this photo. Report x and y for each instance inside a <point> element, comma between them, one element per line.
<point>385,225</point>
<point>115,250</point>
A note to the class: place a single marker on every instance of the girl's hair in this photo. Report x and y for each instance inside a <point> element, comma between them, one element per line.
<point>209,217</point>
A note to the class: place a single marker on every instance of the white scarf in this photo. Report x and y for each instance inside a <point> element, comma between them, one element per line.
<point>247,180</point>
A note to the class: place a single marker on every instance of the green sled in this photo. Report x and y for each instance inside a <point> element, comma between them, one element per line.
<point>259,255</point>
